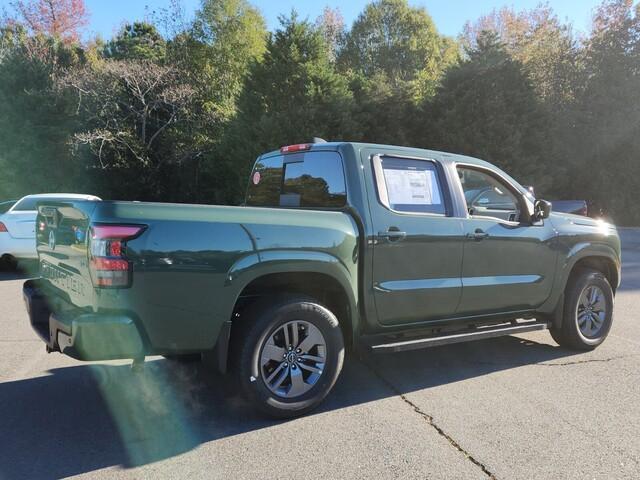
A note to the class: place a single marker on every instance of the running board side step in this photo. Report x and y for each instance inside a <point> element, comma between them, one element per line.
<point>448,339</point>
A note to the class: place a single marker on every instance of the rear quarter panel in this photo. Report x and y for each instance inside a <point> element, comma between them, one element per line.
<point>193,262</point>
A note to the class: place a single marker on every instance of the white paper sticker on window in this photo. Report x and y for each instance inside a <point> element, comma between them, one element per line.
<point>412,187</point>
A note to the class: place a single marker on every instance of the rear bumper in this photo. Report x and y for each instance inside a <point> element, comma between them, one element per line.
<point>84,336</point>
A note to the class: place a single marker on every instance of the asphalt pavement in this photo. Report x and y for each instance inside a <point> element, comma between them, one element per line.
<point>508,408</point>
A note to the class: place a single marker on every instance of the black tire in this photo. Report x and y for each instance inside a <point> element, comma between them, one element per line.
<point>570,335</point>
<point>263,322</point>
<point>8,263</point>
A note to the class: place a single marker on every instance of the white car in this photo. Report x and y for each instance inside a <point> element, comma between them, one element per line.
<point>18,226</point>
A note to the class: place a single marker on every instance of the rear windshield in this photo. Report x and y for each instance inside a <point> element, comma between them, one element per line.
<point>27,204</point>
<point>311,179</point>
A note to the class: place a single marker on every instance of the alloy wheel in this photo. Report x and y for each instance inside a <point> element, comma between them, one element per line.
<point>591,312</point>
<point>292,358</point>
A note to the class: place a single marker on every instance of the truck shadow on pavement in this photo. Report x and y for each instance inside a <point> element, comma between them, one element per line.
<point>15,275</point>
<point>81,419</point>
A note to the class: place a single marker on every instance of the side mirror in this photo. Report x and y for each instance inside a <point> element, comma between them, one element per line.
<point>541,210</point>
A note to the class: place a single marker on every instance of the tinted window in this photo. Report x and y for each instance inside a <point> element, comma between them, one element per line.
<point>316,181</point>
<point>27,204</point>
<point>265,183</point>
<point>313,179</point>
<point>413,185</point>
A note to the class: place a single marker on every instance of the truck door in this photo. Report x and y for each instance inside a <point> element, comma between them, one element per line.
<point>417,243</point>
<point>508,261</point>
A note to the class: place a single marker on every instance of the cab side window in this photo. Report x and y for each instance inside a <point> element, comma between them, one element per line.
<point>409,185</point>
<point>487,196</point>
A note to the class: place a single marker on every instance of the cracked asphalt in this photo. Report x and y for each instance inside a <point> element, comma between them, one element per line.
<point>508,408</point>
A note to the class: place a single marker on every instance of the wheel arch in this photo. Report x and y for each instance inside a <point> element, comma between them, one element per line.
<point>320,276</point>
<point>602,259</point>
<point>602,264</point>
<point>325,288</point>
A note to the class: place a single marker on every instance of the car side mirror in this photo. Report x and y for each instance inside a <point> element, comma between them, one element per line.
<point>541,210</point>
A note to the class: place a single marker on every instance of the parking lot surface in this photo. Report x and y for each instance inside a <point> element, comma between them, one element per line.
<point>507,408</point>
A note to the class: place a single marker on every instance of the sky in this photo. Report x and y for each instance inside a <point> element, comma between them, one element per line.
<point>449,15</point>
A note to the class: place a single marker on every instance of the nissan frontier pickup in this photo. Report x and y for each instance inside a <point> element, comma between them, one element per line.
<point>338,245</point>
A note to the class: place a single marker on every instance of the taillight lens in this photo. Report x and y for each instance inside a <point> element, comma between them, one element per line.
<point>295,148</point>
<point>3,228</point>
<point>109,265</point>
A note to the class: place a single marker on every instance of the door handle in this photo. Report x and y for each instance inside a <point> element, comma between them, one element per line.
<point>478,234</point>
<point>392,235</point>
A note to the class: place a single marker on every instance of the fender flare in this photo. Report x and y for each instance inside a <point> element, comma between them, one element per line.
<point>256,265</point>
<point>555,304</point>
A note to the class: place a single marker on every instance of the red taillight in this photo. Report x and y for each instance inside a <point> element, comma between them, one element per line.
<point>295,148</point>
<point>109,266</point>
<point>120,232</point>
<point>3,228</point>
<point>110,272</point>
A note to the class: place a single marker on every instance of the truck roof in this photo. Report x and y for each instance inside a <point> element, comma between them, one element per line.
<point>444,156</point>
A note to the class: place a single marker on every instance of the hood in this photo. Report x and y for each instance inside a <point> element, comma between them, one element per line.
<point>561,217</point>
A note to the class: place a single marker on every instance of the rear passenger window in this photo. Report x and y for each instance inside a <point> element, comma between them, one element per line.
<point>307,180</point>
<point>408,185</point>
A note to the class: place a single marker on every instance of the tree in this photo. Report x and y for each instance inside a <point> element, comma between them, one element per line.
<point>383,112</point>
<point>35,121</point>
<point>605,120</point>
<point>138,41</point>
<point>331,25</point>
<point>538,40</point>
<point>139,122</point>
<point>228,36</point>
<point>400,41</point>
<point>293,95</point>
<point>487,108</point>
<point>63,19</point>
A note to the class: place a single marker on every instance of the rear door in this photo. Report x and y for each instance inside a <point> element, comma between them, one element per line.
<point>417,243</point>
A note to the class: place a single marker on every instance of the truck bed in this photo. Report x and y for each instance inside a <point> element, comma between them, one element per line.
<point>189,265</point>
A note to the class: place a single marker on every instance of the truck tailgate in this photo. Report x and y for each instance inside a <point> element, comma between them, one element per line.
<point>62,245</point>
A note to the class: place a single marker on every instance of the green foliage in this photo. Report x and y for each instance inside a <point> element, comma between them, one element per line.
<point>539,41</point>
<point>137,41</point>
<point>136,114</point>
<point>487,107</point>
<point>293,95</point>
<point>400,41</point>
<point>180,116</point>
<point>35,119</point>
<point>383,113</point>
<point>230,36</point>
<point>606,119</point>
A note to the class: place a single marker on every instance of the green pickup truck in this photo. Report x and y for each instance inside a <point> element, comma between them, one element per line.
<point>338,245</point>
